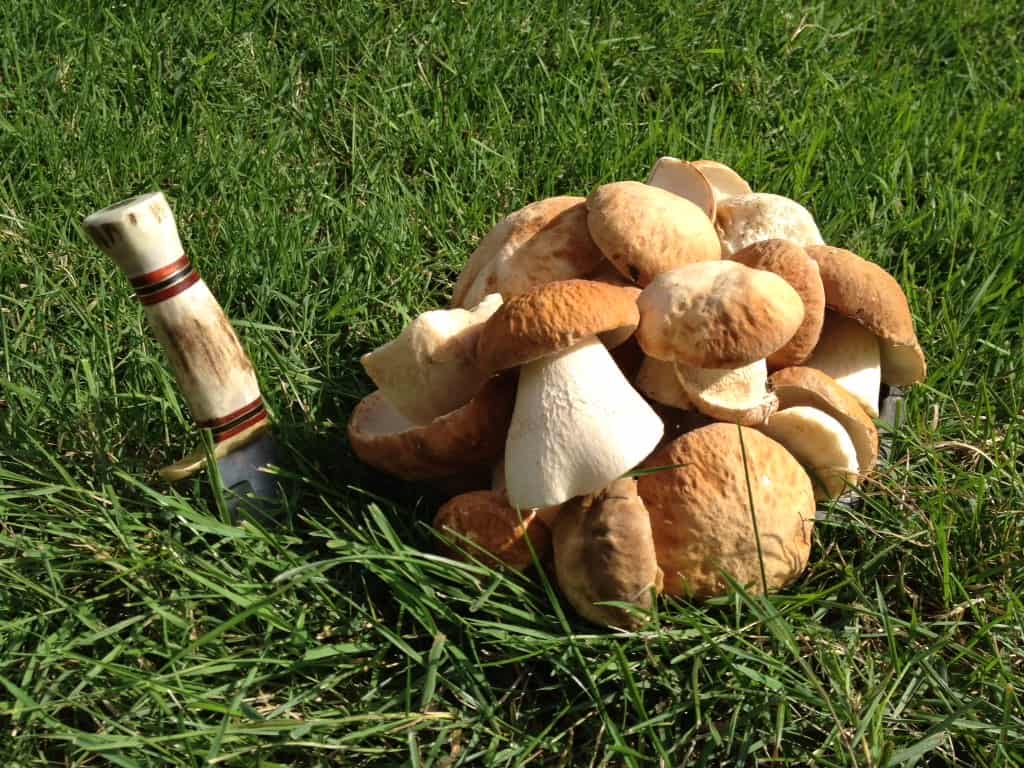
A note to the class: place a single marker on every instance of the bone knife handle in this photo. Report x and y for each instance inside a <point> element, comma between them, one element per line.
<point>211,368</point>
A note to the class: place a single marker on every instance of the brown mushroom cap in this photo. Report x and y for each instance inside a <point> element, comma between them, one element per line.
<point>450,444</point>
<point>718,314</point>
<point>809,386</point>
<point>552,317</point>
<point>701,518</point>
<point>604,551</point>
<point>546,241</point>
<point>861,290</point>
<point>497,534</point>
<point>645,231</point>
<point>790,262</point>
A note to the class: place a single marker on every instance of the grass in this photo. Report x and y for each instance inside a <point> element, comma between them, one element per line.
<point>331,166</point>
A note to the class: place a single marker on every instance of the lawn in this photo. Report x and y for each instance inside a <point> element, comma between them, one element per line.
<point>331,166</point>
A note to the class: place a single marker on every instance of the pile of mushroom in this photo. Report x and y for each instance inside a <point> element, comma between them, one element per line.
<point>626,387</point>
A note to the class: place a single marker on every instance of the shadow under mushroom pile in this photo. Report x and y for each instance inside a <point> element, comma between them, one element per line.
<point>619,377</point>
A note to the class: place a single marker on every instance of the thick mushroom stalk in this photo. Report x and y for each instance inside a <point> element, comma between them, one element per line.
<point>577,425</point>
<point>604,552</point>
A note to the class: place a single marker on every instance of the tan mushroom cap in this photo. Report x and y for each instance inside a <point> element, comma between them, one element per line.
<point>724,180</point>
<point>684,179</point>
<point>553,317</point>
<point>450,444</point>
<point>546,241</point>
<point>790,262</point>
<point>701,518</point>
<point>863,291</point>
<point>746,219</point>
<point>717,314</point>
<point>604,551</point>
<point>737,395</point>
<point>481,524</point>
<point>645,231</point>
<point>808,386</point>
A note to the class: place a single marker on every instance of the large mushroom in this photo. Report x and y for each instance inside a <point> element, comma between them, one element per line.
<point>604,552</point>
<point>644,230</point>
<point>577,423</point>
<point>546,241</point>
<point>702,519</point>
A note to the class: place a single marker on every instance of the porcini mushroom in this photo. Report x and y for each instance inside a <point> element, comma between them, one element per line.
<point>603,552</point>
<point>430,368</point>
<point>738,395</point>
<point>645,231</point>
<point>862,291</point>
<point>577,423</point>
<point>701,517</point>
<point>725,182</point>
<point>483,525</point>
<point>717,314</point>
<point>746,219</point>
<point>657,381</point>
<point>849,354</point>
<point>820,444</point>
<point>790,262</point>
<point>546,241</point>
<point>683,179</point>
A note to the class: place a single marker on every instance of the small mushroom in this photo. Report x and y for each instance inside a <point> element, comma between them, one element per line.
<point>604,552</point>
<point>724,180</point>
<point>737,395</point>
<point>546,241</point>
<point>481,524</point>
<point>790,262</point>
<point>430,368</point>
<point>806,386</point>
<point>746,219</point>
<point>862,291</point>
<point>683,179</point>
<point>645,231</point>
<point>469,437</point>
<point>848,353</point>
<point>820,444</point>
<point>577,423</point>
<point>701,516</point>
<point>717,314</point>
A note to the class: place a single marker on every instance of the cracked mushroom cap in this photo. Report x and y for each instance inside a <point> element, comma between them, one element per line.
<point>718,314</point>
<point>469,437</point>
<point>701,518</point>
<point>481,524</point>
<point>737,395</point>
<point>644,230</point>
<point>683,179</point>
<point>604,551</point>
<point>551,318</point>
<point>808,386</point>
<point>724,180</point>
<point>746,219</point>
<point>791,262</point>
<point>546,241</point>
<point>862,291</point>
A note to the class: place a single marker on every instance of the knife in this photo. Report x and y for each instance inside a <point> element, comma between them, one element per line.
<point>209,364</point>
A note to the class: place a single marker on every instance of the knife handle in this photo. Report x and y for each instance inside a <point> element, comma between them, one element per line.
<point>212,370</point>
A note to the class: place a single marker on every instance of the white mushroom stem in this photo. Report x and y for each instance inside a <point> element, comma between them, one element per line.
<point>849,353</point>
<point>430,369</point>
<point>577,425</point>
